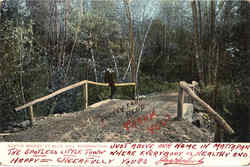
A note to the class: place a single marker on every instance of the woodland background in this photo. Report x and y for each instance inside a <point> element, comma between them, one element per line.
<point>46,45</point>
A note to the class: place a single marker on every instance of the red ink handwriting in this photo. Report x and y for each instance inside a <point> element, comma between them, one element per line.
<point>137,146</point>
<point>119,145</point>
<point>157,126</point>
<point>40,152</point>
<point>90,160</point>
<point>240,155</point>
<point>24,160</point>
<point>139,120</point>
<point>122,109</point>
<point>142,119</point>
<point>212,154</point>
<point>71,152</point>
<point>134,161</point>
<point>180,160</point>
<point>160,153</point>
<point>122,153</point>
<point>45,160</point>
<point>97,152</point>
<point>185,145</point>
<point>14,151</point>
<point>231,147</point>
<point>167,145</point>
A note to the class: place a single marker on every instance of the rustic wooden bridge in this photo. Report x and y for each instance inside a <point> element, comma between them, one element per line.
<point>84,84</point>
<point>183,87</point>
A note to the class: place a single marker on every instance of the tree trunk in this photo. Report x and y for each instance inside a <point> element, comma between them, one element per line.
<point>131,40</point>
<point>218,134</point>
<point>244,28</point>
<point>197,44</point>
<point>200,21</point>
<point>116,66</point>
<point>213,47</point>
<point>212,19</point>
<point>216,63</point>
<point>94,64</point>
<point>142,48</point>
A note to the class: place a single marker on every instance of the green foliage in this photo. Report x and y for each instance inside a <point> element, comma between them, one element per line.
<point>223,94</point>
<point>36,53</point>
<point>94,30</point>
<point>9,69</point>
<point>227,101</point>
<point>20,75</point>
<point>148,85</point>
<point>99,93</point>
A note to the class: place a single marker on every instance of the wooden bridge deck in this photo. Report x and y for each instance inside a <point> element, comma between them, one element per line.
<point>102,122</point>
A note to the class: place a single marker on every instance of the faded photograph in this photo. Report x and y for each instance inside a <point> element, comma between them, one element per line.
<point>124,71</point>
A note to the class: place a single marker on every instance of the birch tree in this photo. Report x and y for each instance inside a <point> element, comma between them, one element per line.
<point>131,39</point>
<point>206,43</point>
<point>140,15</point>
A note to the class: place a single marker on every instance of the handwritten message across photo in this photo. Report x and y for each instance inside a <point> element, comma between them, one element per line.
<point>124,154</point>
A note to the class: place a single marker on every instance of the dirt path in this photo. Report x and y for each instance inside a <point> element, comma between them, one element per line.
<point>151,120</point>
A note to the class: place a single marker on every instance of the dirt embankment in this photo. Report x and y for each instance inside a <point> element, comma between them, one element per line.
<point>152,119</point>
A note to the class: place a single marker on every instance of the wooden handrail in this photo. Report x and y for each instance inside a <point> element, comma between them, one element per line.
<point>116,84</point>
<point>50,95</point>
<point>69,88</point>
<point>220,121</point>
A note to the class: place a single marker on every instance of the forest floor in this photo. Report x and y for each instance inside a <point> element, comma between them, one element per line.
<point>152,119</point>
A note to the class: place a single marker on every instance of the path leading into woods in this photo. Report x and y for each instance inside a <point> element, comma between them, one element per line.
<point>150,120</point>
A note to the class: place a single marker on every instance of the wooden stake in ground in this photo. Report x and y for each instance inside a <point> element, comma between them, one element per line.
<point>86,95</point>
<point>31,114</point>
<point>180,104</point>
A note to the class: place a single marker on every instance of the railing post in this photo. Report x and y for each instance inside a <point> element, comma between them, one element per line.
<point>180,104</point>
<point>218,133</point>
<point>85,95</point>
<point>31,115</point>
<point>134,91</point>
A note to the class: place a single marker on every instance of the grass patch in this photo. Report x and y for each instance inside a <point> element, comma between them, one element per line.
<point>147,85</point>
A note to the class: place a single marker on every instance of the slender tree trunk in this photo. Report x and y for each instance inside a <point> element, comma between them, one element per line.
<point>197,44</point>
<point>81,8</point>
<point>129,64</point>
<point>142,48</point>
<point>217,62</point>
<point>200,21</point>
<point>94,64</point>
<point>244,28</point>
<point>87,71</point>
<point>209,64</point>
<point>212,19</point>
<point>213,47</point>
<point>206,16</point>
<point>131,39</point>
<point>116,67</point>
<point>70,56</point>
<point>21,63</point>
<point>67,5</point>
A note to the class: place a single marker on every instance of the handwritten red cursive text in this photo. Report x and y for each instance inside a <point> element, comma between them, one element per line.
<point>180,160</point>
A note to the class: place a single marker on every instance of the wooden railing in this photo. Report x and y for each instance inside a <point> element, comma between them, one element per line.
<point>188,89</point>
<point>85,93</point>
